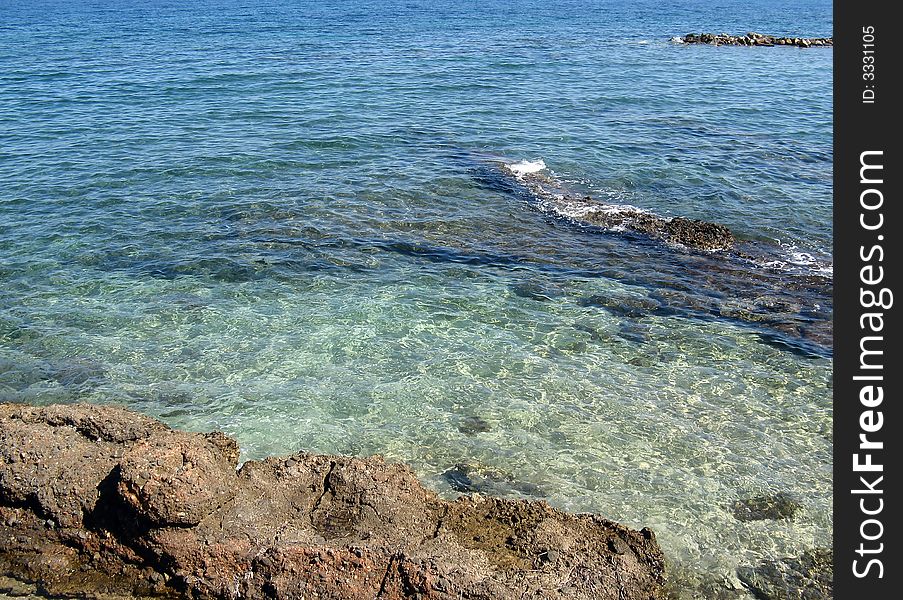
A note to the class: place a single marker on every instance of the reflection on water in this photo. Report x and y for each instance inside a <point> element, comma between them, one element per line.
<point>277,220</point>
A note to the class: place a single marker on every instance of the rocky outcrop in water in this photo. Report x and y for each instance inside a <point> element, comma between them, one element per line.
<point>702,270</point>
<point>103,502</point>
<point>753,39</point>
<point>690,233</point>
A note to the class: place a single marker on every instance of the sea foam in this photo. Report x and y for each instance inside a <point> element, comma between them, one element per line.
<point>526,167</point>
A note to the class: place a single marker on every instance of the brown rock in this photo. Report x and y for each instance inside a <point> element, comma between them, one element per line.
<point>176,480</point>
<point>103,502</point>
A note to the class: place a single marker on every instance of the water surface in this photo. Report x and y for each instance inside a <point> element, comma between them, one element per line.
<point>273,219</point>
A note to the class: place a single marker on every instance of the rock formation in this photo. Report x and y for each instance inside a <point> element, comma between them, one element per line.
<point>104,502</point>
<point>690,233</point>
<point>753,39</point>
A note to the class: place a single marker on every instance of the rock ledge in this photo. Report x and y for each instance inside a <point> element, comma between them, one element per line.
<point>101,502</point>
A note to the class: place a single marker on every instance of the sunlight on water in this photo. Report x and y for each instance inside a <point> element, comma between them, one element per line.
<point>288,223</point>
<point>659,422</point>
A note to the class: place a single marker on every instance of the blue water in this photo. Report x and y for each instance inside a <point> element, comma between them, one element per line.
<point>285,220</point>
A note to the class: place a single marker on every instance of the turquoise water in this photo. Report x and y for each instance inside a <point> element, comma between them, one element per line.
<point>285,220</point>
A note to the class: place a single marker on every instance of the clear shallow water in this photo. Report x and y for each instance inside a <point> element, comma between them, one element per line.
<point>273,219</point>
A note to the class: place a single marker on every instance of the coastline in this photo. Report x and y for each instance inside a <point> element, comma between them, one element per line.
<point>104,502</point>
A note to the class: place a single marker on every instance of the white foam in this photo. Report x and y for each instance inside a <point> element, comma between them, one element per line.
<point>807,260</point>
<point>621,208</point>
<point>551,197</point>
<point>798,262</point>
<point>525,167</point>
<point>579,208</point>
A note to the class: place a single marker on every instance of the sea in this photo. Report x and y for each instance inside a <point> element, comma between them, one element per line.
<point>291,221</point>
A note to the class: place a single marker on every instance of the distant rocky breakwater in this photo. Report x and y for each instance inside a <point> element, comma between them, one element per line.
<point>104,502</point>
<point>753,39</point>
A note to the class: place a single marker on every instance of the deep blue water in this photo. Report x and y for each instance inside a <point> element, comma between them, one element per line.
<point>285,220</point>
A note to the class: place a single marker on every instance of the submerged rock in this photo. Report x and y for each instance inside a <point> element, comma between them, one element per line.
<point>808,577</point>
<point>636,333</point>
<point>761,309</point>
<point>677,231</point>
<point>622,306</point>
<point>473,424</point>
<point>536,291</point>
<point>685,582</point>
<point>102,502</point>
<point>459,479</point>
<point>689,268</point>
<point>468,479</point>
<point>76,371</point>
<point>594,334</point>
<point>759,508</point>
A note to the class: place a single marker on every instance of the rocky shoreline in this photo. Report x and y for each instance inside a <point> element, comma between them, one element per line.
<point>102,502</point>
<point>753,39</point>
